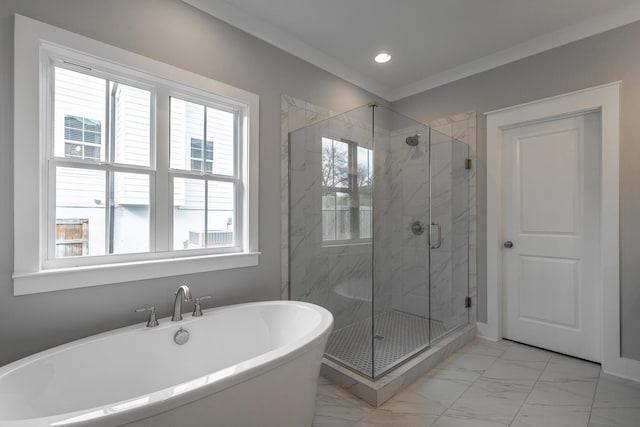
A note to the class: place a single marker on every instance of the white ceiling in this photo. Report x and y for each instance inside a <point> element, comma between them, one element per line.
<point>432,42</point>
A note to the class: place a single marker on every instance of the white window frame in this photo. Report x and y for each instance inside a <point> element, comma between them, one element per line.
<point>35,44</point>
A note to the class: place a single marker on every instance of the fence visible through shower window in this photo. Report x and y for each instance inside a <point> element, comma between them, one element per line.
<point>347,185</point>
<point>103,165</point>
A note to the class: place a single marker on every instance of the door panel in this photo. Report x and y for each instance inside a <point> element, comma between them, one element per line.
<point>551,216</point>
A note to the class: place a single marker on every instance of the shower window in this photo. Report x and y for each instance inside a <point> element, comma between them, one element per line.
<point>347,170</point>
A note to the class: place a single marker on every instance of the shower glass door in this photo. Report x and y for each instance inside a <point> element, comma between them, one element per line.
<point>449,240</point>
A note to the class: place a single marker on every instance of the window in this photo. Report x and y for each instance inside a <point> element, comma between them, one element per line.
<point>114,195</point>
<point>145,170</point>
<point>205,188</point>
<point>82,137</point>
<point>200,157</point>
<point>347,184</point>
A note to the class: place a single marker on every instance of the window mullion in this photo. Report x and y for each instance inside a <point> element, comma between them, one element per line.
<point>110,211</point>
<point>206,181</point>
<point>110,158</point>
<point>162,194</point>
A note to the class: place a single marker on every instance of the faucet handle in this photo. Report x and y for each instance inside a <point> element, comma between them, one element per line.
<point>197,311</point>
<point>153,319</point>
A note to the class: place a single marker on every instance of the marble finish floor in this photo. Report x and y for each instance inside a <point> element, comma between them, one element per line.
<point>488,384</point>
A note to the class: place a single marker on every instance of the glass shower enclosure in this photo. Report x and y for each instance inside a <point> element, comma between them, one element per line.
<point>379,234</point>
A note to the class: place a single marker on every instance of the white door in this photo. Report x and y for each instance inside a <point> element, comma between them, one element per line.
<point>551,175</point>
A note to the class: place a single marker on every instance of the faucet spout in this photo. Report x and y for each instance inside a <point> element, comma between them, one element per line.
<point>183,293</point>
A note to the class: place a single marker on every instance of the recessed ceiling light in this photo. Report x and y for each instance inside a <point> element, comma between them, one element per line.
<point>382,57</point>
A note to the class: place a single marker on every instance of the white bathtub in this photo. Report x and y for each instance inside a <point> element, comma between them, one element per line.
<point>245,365</point>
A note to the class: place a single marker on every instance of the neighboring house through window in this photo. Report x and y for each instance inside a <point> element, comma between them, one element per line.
<point>197,155</point>
<point>82,137</point>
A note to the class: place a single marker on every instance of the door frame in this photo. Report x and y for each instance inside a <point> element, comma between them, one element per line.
<point>604,99</point>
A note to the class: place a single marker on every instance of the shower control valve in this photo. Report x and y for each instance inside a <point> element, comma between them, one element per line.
<point>417,228</point>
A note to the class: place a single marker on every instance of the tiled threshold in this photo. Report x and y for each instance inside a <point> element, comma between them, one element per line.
<point>384,388</point>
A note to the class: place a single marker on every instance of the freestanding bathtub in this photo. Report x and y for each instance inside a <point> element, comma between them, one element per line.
<point>244,365</point>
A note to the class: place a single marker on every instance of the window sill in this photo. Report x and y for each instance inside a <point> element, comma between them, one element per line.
<point>82,277</point>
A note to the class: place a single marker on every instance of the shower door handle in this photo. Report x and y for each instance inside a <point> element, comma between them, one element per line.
<point>439,243</point>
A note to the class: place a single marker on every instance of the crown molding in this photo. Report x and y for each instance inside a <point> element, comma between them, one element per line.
<point>614,19</point>
<point>283,40</point>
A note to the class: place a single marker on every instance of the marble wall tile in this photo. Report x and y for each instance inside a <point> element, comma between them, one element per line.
<point>350,288</point>
<point>441,276</point>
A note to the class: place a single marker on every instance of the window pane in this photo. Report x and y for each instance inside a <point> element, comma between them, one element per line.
<point>80,212</point>
<point>221,214</point>
<point>91,152</point>
<point>366,211</point>
<point>80,109</point>
<point>220,141</point>
<point>188,213</point>
<point>73,150</point>
<point>365,167</point>
<point>131,213</point>
<point>343,216</point>
<point>340,164</point>
<point>329,217</point>
<point>131,124</point>
<point>187,124</point>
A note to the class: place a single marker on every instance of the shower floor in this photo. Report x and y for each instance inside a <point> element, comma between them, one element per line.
<point>398,336</point>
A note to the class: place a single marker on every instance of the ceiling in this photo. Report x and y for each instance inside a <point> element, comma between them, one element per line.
<point>432,42</point>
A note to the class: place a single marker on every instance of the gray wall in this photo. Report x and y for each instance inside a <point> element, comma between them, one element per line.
<point>175,33</point>
<point>600,59</point>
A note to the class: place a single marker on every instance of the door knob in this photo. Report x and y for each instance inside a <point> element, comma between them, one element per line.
<point>508,244</point>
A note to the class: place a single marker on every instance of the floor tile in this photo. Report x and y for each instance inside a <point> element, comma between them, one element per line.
<point>407,409</point>
<point>615,417</point>
<point>525,354</point>
<point>563,367</point>
<point>467,362</point>
<point>563,392</point>
<point>335,405</point>
<point>485,348</point>
<point>327,421</point>
<point>617,392</point>
<point>552,416</point>
<point>515,370</point>
<point>460,419</point>
<point>386,418</point>
<point>441,388</point>
<point>490,400</point>
<point>488,384</point>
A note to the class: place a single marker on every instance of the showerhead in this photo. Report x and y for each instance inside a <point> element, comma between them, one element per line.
<point>413,140</point>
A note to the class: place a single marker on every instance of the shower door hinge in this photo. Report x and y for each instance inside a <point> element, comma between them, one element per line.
<point>467,302</point>
<point>467,164</point>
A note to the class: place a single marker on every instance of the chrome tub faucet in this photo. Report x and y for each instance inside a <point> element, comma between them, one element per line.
<point>183,293</point>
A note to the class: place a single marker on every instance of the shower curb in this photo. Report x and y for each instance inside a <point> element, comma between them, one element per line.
<point>384,388</point>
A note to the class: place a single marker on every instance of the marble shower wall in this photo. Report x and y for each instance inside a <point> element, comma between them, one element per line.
<point>409,203</point>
